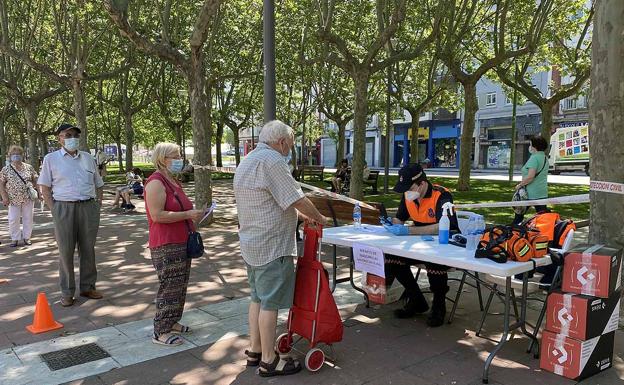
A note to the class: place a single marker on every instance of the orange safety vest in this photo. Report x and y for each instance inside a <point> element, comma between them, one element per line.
<point>425,212</point>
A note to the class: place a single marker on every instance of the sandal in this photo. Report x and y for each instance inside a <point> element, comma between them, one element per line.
<point>279,367</point>
<point>180,329</point>
<point>253,358</point>
<point>170,340</point>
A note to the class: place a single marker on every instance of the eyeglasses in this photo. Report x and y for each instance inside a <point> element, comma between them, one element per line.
<point>173,157</point>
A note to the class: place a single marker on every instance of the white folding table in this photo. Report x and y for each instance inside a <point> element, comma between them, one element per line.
<point>414,247</point>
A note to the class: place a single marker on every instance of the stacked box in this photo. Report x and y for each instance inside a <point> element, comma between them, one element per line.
<point>582,318</point>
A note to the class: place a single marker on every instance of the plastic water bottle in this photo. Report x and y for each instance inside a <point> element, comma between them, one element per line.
<point>471,234</point>
<point>357,216</point>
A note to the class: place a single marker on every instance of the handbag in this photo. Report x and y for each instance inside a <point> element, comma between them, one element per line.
<point>194,243</point>
<point>32,192</point>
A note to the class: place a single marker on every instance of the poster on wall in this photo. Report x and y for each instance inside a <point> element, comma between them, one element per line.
<point>572,143</point>
<point>498,156</point>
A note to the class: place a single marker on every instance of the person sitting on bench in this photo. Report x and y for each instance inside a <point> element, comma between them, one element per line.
<point>134,185</point>
<point>340,176</point>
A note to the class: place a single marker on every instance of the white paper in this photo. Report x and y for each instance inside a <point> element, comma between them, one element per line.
<point>369,259</point>
<point>208,211</point>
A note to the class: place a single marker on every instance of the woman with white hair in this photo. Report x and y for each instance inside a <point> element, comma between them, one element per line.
<point>16,186</point>
<point>170,216</point>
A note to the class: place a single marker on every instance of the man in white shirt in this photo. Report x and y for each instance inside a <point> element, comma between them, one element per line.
<point>72,188</point>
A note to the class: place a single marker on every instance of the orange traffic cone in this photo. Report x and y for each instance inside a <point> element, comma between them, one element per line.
<point>44,319</point>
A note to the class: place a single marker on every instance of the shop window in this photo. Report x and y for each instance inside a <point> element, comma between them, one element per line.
<point>490,99</point>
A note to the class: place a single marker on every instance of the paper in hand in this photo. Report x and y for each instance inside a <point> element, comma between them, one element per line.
<point>208,211</point>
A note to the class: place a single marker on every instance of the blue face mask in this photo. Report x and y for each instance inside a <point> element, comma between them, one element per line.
<point>72,144</point>
<point>16,158</point>
<point>176,165</point>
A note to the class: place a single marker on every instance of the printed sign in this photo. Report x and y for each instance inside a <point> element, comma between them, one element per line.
<point>369,259</point>
<point>616,188</point>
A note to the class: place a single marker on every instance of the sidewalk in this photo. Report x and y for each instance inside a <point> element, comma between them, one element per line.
<point>377,348</point>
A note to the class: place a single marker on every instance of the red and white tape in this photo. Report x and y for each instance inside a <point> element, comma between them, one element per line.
<point>581,198</point>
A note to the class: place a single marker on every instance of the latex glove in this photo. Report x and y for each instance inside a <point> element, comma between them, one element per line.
<point>397,229</point>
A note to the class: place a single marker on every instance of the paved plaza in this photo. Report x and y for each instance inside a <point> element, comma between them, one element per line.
<point>376,349</point>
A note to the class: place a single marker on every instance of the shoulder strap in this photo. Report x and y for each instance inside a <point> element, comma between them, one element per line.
<point>544,165</point>
<point>18,174</point>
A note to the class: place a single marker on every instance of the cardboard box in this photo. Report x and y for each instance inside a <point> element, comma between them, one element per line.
<point>592,270</point>
<point>580,316</point>
<point>576,359</point>
<point>375,287</point>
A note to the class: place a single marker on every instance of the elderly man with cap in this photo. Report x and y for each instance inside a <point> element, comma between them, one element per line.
<point>422,203</point>
<point>72,189</point>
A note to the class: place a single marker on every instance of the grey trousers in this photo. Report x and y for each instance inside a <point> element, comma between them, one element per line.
<point>76,224</point>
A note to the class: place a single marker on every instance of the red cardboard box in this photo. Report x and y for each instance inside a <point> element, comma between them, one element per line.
<point>576,359</point>
<point>592,270</point>
<point>580,316</point>
<point>375,287</point>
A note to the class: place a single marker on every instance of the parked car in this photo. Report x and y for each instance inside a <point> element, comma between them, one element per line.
<point>230,152</point>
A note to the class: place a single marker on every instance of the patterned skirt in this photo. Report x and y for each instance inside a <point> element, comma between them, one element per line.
<point>173,269</point>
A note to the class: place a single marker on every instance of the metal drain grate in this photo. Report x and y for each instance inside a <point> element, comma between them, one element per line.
<point>66,358</point>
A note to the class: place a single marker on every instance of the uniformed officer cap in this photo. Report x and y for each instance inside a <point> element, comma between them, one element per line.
<point>407,176</point>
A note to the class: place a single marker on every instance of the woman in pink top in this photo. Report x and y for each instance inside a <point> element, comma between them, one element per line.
<point>170,213</point>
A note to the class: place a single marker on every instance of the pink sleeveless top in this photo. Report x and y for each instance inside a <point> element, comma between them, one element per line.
<point>161,234</point>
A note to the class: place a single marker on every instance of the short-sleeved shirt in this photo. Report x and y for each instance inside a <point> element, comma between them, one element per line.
<point>538,188</point>
<point>16,189</point>
<point>265,191</point>
<point>71,178</point>
<point>445,196</point>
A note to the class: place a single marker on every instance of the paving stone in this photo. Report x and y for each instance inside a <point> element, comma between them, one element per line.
<point>135,351</point>
<point>228,309</point>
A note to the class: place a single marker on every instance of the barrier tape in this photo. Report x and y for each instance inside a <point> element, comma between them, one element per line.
<point>337,196</point>
<point>616,188</point>
<point>343,198</point>
<point>581,198</point>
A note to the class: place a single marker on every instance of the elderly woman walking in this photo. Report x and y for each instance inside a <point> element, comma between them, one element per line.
<point>170,214</point>
<point>16,188</point>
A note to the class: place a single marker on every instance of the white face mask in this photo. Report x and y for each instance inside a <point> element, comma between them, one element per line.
<point>412,195</point>
<point>72,144</point>
<point>532,150</point>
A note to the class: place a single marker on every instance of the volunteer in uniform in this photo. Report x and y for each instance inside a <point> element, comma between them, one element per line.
<point>422,203</point>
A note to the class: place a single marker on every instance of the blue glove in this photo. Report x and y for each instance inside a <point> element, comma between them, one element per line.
<point>397,229</point>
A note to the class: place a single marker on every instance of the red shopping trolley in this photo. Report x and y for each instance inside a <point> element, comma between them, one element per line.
<point>314,315</point>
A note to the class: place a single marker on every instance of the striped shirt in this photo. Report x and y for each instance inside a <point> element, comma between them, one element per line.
<point>265,191</point>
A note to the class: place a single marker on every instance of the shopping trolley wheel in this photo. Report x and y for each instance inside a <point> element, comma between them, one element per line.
<point>284,343</point>
<point>314,359</point>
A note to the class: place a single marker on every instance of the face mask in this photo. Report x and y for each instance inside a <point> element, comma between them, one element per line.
<point>16,158</point>
<point>288,157</point>
<point>72,144</point>
<point>176,165</point>
<point>532,150</point>
<point>412,195</point>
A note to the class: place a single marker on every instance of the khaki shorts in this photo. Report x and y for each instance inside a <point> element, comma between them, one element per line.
<point>273,285</point>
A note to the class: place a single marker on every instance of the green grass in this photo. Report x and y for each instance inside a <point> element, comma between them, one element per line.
<point>483,191</point>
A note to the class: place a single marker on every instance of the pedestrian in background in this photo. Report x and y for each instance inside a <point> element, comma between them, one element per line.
<point>72,189</point>
<point>17,181</point>
<point>269,201</point>
<point>535,176</point>
<point>170,217</point>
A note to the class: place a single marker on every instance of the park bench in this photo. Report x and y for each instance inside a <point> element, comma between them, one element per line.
<point>341,213</point>
<point>313,171</point>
